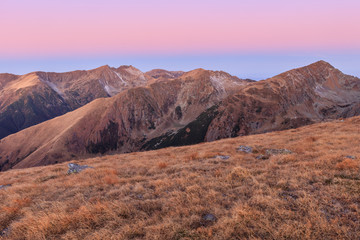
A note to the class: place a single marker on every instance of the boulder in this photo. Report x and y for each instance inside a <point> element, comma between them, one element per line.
<point>278,151</point>
<point>75,168</point>
<point>5,186</point>
<point>246,149</point>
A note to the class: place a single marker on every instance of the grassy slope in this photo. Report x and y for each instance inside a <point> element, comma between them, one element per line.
<point>311,194</point>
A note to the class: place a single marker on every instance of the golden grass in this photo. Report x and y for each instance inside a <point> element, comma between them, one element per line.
<point>313,193</point>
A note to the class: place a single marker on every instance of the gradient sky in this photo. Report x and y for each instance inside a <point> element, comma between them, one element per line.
<point>62,35</point>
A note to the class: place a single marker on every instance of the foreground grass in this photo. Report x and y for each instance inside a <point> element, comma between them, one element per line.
<point>313,193</point>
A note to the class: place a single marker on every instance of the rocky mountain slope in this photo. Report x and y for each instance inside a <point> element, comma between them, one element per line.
<point>187,108</point>
<point>121,123</point>
<point>39,96</point>
<point>295,98</point>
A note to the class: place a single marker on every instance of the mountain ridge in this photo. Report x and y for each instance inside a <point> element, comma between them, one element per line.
<point>23,98</point>
<point>198,106</point>
<point>185,98</point>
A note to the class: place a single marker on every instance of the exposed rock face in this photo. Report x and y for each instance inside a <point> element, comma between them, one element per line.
<point>121,123</point>
<point>36,97</point>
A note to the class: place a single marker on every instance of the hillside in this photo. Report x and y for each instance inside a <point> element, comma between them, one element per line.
<point>299,97</point>
<point>296,184</point>
<point>177,109</point>
<point>33,98</point>
<point>121,123</point>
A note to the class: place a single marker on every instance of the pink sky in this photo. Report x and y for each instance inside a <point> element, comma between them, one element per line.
<point>43,28</point>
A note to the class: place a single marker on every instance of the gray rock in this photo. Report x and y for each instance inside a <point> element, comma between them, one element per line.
<point>246,149</point>
<point>5,186</point>
<point>278,151</point>
<point>289,195</point>
<point>208,219</point>
<point>351,157</point>
<point>223,157</point>
<point>4,232</point>
<point>75,168</point>
<point>262,157</point>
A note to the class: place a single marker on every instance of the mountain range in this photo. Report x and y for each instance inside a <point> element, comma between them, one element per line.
<point>108,110</point>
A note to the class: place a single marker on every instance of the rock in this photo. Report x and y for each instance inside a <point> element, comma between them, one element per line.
<point>223,157</point>
<point>75,168</point>
<point>208,219</point>
<point>278,151</point>
<point>262,157</point>
<point>246,149</point>
<point>5,186</point>
<point>351,157</point>
<point>289,195</point>
<point>4,232</point>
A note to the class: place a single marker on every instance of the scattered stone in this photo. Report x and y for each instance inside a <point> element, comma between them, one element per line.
<point>262,157</point>
<point>208,219</point>
<point>75,168</point>
<point>4,232</point>
<point>5,186</point>
<point>289,195</point>
<point>223,157</point>
<point>351,157</point>
<point>246,149</point>
<point>278,151</point>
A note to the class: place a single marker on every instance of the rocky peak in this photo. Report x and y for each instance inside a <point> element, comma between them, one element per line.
<point>321,64</point>
<point>161,74</point>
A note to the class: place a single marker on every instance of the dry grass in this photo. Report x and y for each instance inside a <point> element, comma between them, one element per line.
<point>162,165</point>
<point>347,164</point>
<point>313,193</point>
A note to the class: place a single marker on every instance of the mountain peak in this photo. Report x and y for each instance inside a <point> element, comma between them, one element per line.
<point>321,64</point>
<point>104,67</point>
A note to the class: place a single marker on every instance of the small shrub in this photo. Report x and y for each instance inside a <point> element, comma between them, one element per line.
<point>162,165</point>
<point>347,164</point>
<point>111,179</point>
<point>192,156</point>
<point>238,174</point>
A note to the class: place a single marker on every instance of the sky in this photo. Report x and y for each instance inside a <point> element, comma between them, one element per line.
<point>248,38</point>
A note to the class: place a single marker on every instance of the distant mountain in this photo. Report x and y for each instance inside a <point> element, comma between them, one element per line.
<point>120,123</point>
<point>302,96</point>
<point>39,96</point>
<point>177,108</point>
